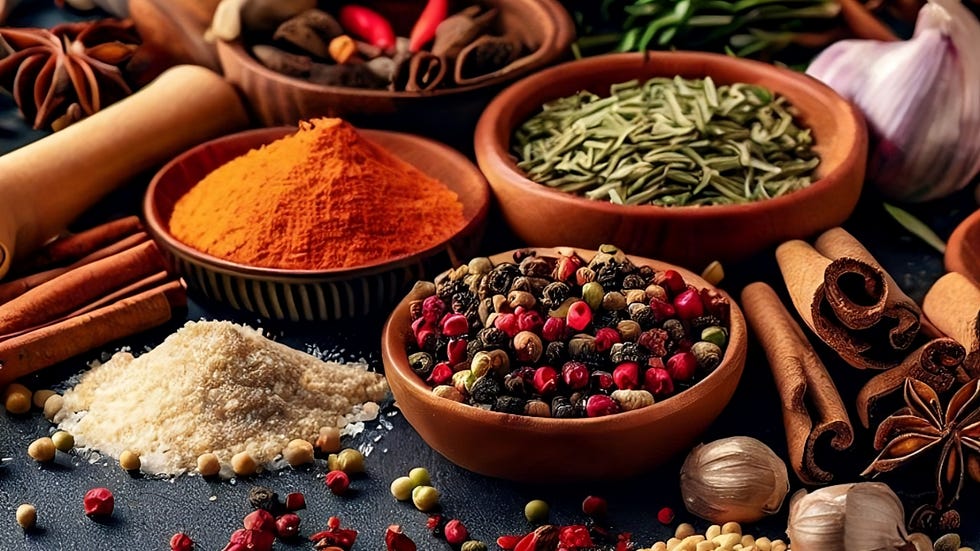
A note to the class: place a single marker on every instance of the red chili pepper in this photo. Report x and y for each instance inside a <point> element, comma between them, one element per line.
<point>435,12</point>
<point>368,25</point>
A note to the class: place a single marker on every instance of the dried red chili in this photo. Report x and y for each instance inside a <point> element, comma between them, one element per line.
<point>424,29</point>
<point>367,24</point>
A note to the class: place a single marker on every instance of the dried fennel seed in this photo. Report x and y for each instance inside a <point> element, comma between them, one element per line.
<point>669,142</point>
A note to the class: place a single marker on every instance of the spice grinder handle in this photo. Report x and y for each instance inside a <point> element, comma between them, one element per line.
<point>45,185</point>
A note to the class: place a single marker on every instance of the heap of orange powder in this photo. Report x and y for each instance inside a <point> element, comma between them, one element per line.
<point>319,199</point>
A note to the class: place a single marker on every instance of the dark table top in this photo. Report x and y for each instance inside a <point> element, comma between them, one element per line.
<point>149,511</point>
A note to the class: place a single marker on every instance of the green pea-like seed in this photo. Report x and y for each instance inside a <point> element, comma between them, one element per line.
<point>63,441</point>
<point>592,293</point>
<point>536,511</point>
<point>425,498</point>
<point>402,487</point>
<point>715,335</point>
<point>420,476</point>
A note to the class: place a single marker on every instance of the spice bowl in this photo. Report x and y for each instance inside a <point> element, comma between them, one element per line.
<point>963,248</point>
<point>691,236</point>
<point>553,450</point>
<point>313,295</point>
<point>277,99</point>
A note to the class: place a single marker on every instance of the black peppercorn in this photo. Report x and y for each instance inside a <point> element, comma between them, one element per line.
<point>634,281</point>
<point>556,353</point>
<point>486,389</point>
<point>626,352</point>
<point>561,408</point>
<point>643,315</point>
<point>491,337</point>
<point>509,404</point>
<point>654,340</point>
<point>261,497</point>
<point>609,276</point>
<point>498,280</point>
<point>422,363</point>
<point>554,294</point>
<point>647,273</point>
<point>675,329</point>
<point>700,323</point>
<point>537,266</point>
<point>514,383</point>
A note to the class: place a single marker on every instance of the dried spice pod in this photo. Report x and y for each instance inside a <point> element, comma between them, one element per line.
<point>812,407</point>
<point>426,71</point>
<point>483,58</point>
<point>460,29</point>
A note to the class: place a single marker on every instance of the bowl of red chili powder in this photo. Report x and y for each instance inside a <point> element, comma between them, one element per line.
<point>319,223</point>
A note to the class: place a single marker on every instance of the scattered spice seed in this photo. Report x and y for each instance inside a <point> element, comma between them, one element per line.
<point>41,396</point>
<point>425,498</point>
<point>243,464</point>
<point>63,441</point>
<point>536,511</point>
<point>287,526</point>
<point>52,406</point>
<point>129,460</point>
<point>263,498</point>
<point>181,542</point>
<point>329,440</point>
<point>473,545</point>
<point>665,515</point>
<point>295,501</point>
<point>455,532</point>
<point>260,520</point>
<point>98,502</point>
<point>595,507</point>
<point>208,464</point>
<point>335,536</point>
<point>17,399</point>
<point>26,516</point>
<point>348,460</point>
<point>420,476</point>
<point>396,540</point>
<point>42,450</point>
<point>338,482</point>
<point>401,488</point>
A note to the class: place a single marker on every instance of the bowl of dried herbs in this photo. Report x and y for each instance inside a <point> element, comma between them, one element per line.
<point>685,156</point>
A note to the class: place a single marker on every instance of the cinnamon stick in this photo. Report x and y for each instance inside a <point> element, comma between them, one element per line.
<point>14,288</point>
<point>938,363</point>
<point>60,341</point>
<point>79,286</point>
<point>73,247</point>
<point>803,383</point>
<point>952,304</point>
<point>848,300</point>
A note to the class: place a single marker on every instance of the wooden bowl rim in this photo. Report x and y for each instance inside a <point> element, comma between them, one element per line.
<point>494,158</point>
<point>159,228</point>
<point>953,257</point>
<point>552,46</point>
<point>395,358</point>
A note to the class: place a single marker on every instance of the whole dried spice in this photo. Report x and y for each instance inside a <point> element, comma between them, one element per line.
<point>98,502</point>
<point>396,540</point>
<point>334,536</point>
<point>60,75</point>
<point>924,425</point>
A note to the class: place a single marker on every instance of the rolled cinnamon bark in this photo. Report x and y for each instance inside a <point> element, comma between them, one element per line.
<point>848,300</point>
<point>803,383</point>
<point>952,305</point>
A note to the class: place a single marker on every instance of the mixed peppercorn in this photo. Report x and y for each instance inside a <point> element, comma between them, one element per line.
<point>556,336</point>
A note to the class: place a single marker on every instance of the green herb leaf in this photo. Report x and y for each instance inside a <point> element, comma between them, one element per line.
<point>916,227</point>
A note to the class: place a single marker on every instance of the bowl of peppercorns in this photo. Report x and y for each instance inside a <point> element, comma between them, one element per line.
<point>534,364</point>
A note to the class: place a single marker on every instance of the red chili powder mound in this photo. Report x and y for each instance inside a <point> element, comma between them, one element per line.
<point>322,198</point>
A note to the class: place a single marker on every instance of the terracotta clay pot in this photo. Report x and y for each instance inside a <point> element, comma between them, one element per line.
<point>963,248</point>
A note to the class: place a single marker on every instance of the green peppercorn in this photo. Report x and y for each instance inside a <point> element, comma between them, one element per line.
<point>421,363</point>
<point>402,487</point>
<point>473,545</point>
<point>715,334</point>
<point>463,380</point>
<point>708,355</point>
<point>614,300</point>
<point>592,294</point>
<point>425,498</point>
<point>480,265</point>
<point>348,460</point>
<point>63,441</point>
<point>536,511</point>
<point>420,476</point>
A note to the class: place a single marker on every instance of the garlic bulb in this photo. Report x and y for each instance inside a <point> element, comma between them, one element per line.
<point>850,517</point>
<point>921,99</point>
<point>733,479</point>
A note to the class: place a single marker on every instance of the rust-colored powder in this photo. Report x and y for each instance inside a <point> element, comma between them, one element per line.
<point>319,199</point>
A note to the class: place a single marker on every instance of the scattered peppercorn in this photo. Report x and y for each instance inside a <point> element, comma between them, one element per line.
<point>98,502</point>
<point>298,452</point>
<point>243,464</point>
<point>665,515</point>
<point>41,396</point>
<point>26,516</point>
<point>63,441</point>
<point>473,545</point>
<point>52,406</point>
<point>329,440</point>
<point>396,540</point>
<point>425,498</point>
<point>348,460</point>
<point>338,482</point>
<point>402,487</point>
<point>17,399</point>
<point>594,507</point>
<point>260,497</point>
<point>129,460</point>
<point>455,532</point>
<point>42,450</point>
<point>287,526</point>
<point>420,476</point>
<point>208,464</point>
<point>536,511</point>
<point>260,520</point>
<point>181,542</point>
<point>295,501</point>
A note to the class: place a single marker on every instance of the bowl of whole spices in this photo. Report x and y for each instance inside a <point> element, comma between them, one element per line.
<point>559,364</point>
<point>684,156</point>
<point>392,63</point>
<point>318,223</point>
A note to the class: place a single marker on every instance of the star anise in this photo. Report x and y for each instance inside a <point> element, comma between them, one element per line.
<point>923,425</point>
<point>70,71</point>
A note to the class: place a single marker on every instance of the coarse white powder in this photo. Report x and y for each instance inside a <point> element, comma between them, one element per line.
<point>213,386</point>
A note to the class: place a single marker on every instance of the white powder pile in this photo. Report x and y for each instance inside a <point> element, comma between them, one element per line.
<point>213,387</point>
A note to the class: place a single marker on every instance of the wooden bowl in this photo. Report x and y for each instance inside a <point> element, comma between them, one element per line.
<point>963,248</point>
<point>689,236</point>
<point>313,295</point>
<point>279,99</point>
<point>537,449</point>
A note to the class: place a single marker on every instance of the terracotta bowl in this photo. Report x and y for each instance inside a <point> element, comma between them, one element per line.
<point>963,248</point>
<point>278,99</point>
<point>537,449</point>
<point>308,295</point>
<point>690,236</point>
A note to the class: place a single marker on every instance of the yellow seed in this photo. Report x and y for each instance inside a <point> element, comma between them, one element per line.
<point>726,540</point>
<point>243,464</point>
<point>691,541</point>
<point>704,546</point>
<point>747,540</point>
<point>659,546</point>
<point>41,396</point>
<point>329,440</point>
<point>763,544</point>
<point>712,531</point>
<point>778,545</point>
<point>129,460</point>
<point>17,399</point>
<point>713,273</point>
<point>425,498</point>
<point>683,530</point>
<point>26,516</point>
<point>672,543</point>
<point>965,549</point>
<point>41,450</point>
<point>52,406</point>
<point>731,528</point>
<point>63,441</point>
<point>401,488</point>
<point>208,464</point>
<point>298,452</point>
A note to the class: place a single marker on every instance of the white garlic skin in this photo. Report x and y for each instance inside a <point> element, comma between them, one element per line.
<point>862,516</point>
<point>736,479</point>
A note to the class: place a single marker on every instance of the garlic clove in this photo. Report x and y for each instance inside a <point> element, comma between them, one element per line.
<point>816,520</point>
<point>875,518</point>
<point>864,516</point>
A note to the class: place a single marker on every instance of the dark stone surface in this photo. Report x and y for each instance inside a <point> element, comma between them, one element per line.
<point>149,511</point>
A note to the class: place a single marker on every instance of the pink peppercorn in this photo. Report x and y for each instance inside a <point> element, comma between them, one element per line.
<point>579,315</point>
<point>553,329</point>
<point>673,281</point>
<point>599,405</point>
<point>575,536</point>
<point>181,542</point>
<point>530,321</point>
<point>338,482</point>
<point>545,380</point>
<point>396,540</point>
<point>688,304</point>
<point>595,507</point>
<point>508,542</point>
<point>98,502</point>
<point>441,374</point>
<point>605,338</point>
<point>657,381</point>
<point>287,526</point>
<point>455,532</point>
<point>251,540</point>
<point>566,267</point>
<point>456,351</point>
<point>665,515</point>
<point>260,520</point>
<point>507,323</point>
<point>575,375</point>
<point>662,310</point>
<point>682,366</point>
<point>627,375</point>
<point>603,380</point>
<point>295,501</point>
<point>455,325</point>
<point>432,308</point>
